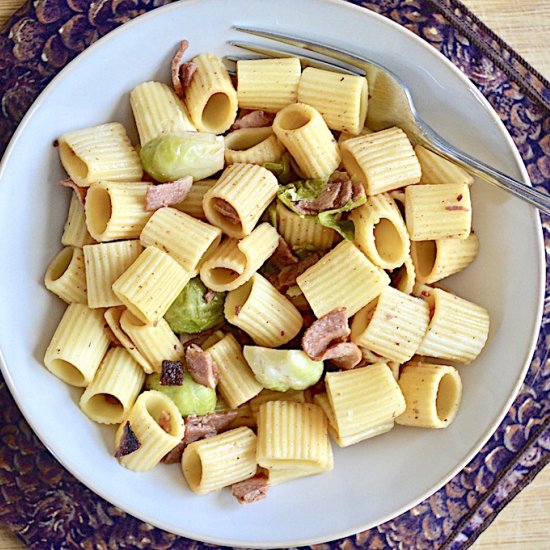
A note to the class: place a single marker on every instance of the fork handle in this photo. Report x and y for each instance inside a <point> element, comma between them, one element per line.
<point>439,145</point>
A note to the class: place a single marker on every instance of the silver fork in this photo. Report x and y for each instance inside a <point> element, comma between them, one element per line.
<point>390,104</point>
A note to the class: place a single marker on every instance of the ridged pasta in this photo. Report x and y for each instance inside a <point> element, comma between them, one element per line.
<point>393,325</point>
<point>183,237</point>
<point>78,345</point>
<point>299,231</point>
<point>253,146</point>
<point>436,169</point>
<point>114,389</point>
<point>66,276</point>
<point>219,461</point>
<point>75,232</point>
<point>99,153</point>
<point>157,111</point>
<point>292,435</point>
<point>435,260</point>
<point>116,210</point>
<point>158,426</point>
<point>380,231</point>
<point>365,399</point>
<point>344,109</point>
<point>112,317</point>
<point>237,383</point>
<point>405,278</point>
<point>458,328</point>
<point>268,84</point>
<point>433,394</point>
<point>150,285</point>
<point>192,204</point>
<point>210,98</point>
<point>247,189</point>
<point>344,277</point>
<point>263,312</point>
<point>234,262</point>
<point>438,211</point>
<point>105,263</point>
<point>382,161</point>
<point>155,343</point>
<point>297,396</point>
<point>306,136</point>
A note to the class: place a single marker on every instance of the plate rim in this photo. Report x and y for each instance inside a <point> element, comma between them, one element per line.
<point>475,448</point>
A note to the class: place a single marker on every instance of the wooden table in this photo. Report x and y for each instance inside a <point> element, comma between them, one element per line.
<point>525,25</point>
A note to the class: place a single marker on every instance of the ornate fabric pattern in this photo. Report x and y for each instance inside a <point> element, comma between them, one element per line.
<point>48,508</point>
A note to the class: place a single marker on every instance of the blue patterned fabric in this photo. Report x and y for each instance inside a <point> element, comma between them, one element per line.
<point>47,508</point>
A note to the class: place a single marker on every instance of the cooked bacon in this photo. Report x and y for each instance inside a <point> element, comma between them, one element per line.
<point>283,255</point>
<point>209,296</point>
<point>128,443</point>
<point>201,366</point>
<point>200,427</point>
<point>167,194</point>
<point>172,373</point>
<point>165,421</point>
<point>332,328</point>
<point>226,210</point>
<point>80,191</point>
<point>345,355</point>
<point>288,275</point>
<point>175,67</point>
<point>252,489</point>
<point>186,73</point>
<point>252,119</point>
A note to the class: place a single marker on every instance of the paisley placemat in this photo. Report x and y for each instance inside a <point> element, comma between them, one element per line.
<point>48,508</point>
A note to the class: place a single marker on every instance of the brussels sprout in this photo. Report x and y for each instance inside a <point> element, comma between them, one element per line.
<point>283,369</point>
<point>191,313</point>
<point>190,397</point>
<point>173,156</point>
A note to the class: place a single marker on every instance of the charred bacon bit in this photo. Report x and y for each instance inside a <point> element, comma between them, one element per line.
<point>226,210</point>
<point>128,442</point>
<point>345,355</point>
<point>252,489</point>
<point>201,366</point>
<point>165,421</point>
<point>252,119</point>
<point>330,329</point>
<point>175,67</point>
<point>186,73</point>
<point>167,194</point>
<point>172,373</point>
<point>283,255</point>
<point>80,191</point>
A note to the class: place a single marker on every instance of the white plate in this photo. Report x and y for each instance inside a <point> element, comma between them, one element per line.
<point>373,481</point>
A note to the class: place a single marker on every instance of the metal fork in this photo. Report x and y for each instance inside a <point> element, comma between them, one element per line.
<point>390,104</point>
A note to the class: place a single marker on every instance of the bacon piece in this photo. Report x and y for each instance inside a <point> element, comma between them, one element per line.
<point>199,337</point>
<point>201,366</point>
<point>252,489</point>
<point>186,73</point>
<point>80,191</point>
<point>252,119</point>
<point>175,67</point>
<point>330,329</point>
<point>209,296</point>
<point>167,194</point>
<point>288,275</point>
<point>172,373</point>
<point>345,355</point>
<point>283,255</point>
<point>226,210</point>
<point>128,442</point>
<point>200,427</point>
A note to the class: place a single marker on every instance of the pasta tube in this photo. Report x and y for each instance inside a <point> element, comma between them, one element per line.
<point>114,388</point>
<point>75,232</point>
<point>100,153</point>
<point>432,393</point>
<point>192,204</point>
<point>436,169</point>
<point>252,146</point>
<point>66,276</point>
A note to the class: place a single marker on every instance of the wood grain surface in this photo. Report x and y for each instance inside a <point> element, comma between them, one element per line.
<point>524,25</point>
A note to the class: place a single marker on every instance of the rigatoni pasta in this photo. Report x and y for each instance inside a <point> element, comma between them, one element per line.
<point>66,276</point>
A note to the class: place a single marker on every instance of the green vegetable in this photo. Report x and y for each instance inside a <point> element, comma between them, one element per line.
<point>173,156</point>
<point>281,170</point>
<point>299,191</point>
<point>191,313</point>
<point>283,369</point>
<point>190,397</point>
